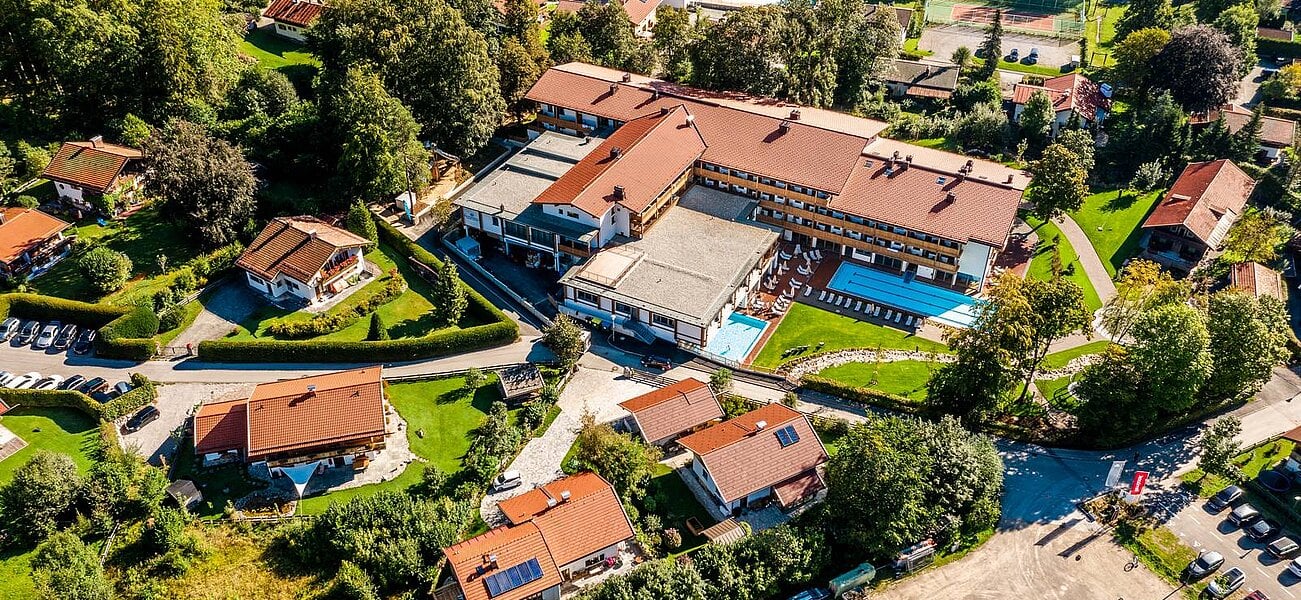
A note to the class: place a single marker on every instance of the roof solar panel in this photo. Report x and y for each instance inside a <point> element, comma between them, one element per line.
<point>513,577</point>
<point>787,436</point>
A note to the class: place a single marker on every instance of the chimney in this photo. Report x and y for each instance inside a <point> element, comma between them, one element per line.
<point>312,234</point>
<point>655,94</point>
<point>951,198</point>
<point>492,561</point>
<point>785,126</point>
<point>895,155</point>
<point>909,158</point>
<point>616,152</point>
<point>614,87</point>
<point>691,119</point>
<point>618,192</point>
<point>759,425</point>
<point>564,495</point>
<point>97,141</point>
<point>1009,178</point>
<point>627,77</point>
<point>795,114</point>
<point>551,502</point>
<point>664,111</point>
<point>311,390</point>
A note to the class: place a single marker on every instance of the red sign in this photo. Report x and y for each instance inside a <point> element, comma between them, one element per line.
<point>1136,487</point>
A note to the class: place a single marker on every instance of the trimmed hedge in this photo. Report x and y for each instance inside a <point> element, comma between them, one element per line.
<point>499,331</point>
<point>331,322</point>
<point>1268,48</point>
<point>861,395</point>
<point>144,393</point>
<point>125,332</point>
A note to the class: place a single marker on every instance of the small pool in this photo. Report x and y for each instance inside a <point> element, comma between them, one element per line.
<point>736,337</point>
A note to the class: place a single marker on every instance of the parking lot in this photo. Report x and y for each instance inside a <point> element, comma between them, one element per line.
<point>175,402</point>
<point>54,338</point>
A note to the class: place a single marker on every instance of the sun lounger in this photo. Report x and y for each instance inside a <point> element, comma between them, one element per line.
<point>808,290</point>
<point>876,310</point>
<point>784,255</point>
<point>909,321</point>
<point>822,296</point>
<point>858,307</point>
<point>888,313</point>
<point>897,316</point>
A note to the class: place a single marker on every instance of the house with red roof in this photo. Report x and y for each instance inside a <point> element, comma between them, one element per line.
<point>641,13</point>
<point>1195,214</point>
<point>662,416</point>
<point>303,257</point>
<point>1072,95</point>
<point>768,455</point>
<point>84,172</point>
<point>1275,133</point>
<point>31,241</point>
<point>1258,280</point>
<point>304,425</point>
<point>291,18</point>
<point>553,534</point>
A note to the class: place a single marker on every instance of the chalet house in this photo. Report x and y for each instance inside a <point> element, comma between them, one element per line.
<point>291,18</point>
<point>554,533</point>
<point>902,14</point>
<point>1196,212</point>
<point>770,454</point>
<point>1258,280</point>
<point>1275,133</point>
<point>1072,95</point>
<point>296,425</point>
<point>661,416</point>
<point>641,13</point>
<point>302,257</point>
<point>31,241</point>
<point>83,171</point>
<point>920,80</point>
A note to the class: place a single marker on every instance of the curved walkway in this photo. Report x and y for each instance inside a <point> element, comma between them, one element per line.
<point>1089,259</point>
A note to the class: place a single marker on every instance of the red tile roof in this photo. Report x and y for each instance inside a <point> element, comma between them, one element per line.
<point>1274,33</point>
<point>643,157</point>
<point>671,410</point>
<point>1275,132</point>
<point>294,12</point>
<point>1068,92</point>
<point>798,487</point>
<point>637,10</point>
<point>221,426</point>
<point>1257,279</point>
<point>918,199</point>
<point>24,228</point>
<point>589,520</point>
<point>296,246</point>
<point>93,166</point>
<point>1201,195</point>
<point>285,415</point>
<point>742,458</point>
<point>511,546</point>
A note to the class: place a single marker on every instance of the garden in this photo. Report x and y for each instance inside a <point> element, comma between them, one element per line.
<point>825,331</point>
<point>56,429</point>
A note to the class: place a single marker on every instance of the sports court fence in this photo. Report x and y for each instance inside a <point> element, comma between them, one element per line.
<point>1050,18</point>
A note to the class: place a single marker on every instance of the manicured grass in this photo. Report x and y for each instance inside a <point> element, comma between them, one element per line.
<point>1057,360</point>
<point>275,52</point>
<point>1101,33</point>
<point>902,377</point>
<point>808,325</point>
<point>675,503</point>
<point>910,46</point>
<point>16,574</point>
<point>1111,219</point>
<point>1050,388</point>
<point>1252,462</point>
<point>61,430</point>
<point>1041,264</point>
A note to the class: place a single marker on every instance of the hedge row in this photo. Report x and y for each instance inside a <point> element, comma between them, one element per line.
<point>333,321</point>
<point>124,332</point>
<point>144,393</point>
<point>861,395</point>
<point>499,331</point>
<point>1268,48</point>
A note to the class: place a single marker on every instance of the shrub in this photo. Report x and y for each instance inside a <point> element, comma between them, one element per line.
<point>533,415</point>
<point>42,492</point>
<point>124,332</point>
<point>338,319</point>
<point>65,567</point>
<point>106,269</point>
<point>26,201</point>
<point>352,583</point>
<point>378,331</point>
<point>361,222</point>
<point>144,392</point>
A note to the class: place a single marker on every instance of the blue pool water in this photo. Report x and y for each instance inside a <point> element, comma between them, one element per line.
<point>934,302</point>
<point>736,337</point>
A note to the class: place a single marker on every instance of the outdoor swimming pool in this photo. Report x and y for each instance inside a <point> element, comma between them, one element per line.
<point>736,337</point>
<point>933,302</point>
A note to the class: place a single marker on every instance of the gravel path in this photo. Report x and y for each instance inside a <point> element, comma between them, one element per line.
<point>1097,273</point>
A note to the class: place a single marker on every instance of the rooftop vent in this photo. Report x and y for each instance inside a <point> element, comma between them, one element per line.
<point>691,118</point>
<point>951,197</point>
<point>909,158</point>
<point>655,94</point>
<point>895,156</point>
<point>785,126</point>
<point>627,77</point>
<point>97,141</point>
<point>616,152</point>
<point>564,495</point>
<point>758,426</point>
<point>614,87</point>
<point>795,114</point>
<point>664,110</point>
<point>618,192</point>
<point>939,181</point>
<point>551,502</point>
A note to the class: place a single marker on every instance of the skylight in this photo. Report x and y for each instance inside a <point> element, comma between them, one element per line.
<point>787,435</point>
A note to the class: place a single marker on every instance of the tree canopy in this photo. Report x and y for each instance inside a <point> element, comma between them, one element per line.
<point>379,155</point>
<point>1200,67</point>
<point>202,181</point>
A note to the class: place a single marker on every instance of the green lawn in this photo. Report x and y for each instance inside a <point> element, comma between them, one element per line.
<point>440,423</point>
<point>61,430</point>
<point>1041,264</point>
<point>1102,32</point>
<point>903,377</point>
<point>1252,462</point>
<point>675,503</point>
<point>275,52</point>
<point>1050,388</point>
<point>808,325</point>
<point>1111,219</point>
<point>1057,360</point>
<point>16,574</point>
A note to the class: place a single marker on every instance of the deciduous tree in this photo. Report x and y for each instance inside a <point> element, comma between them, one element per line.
<point>106,269</point>
<point>42,493</point>
<point>1238,23</point>
<point>65,568</point>
<point>379,155</point>
<point>986,354</point>
<point>1058,183</point>
<point>1134,56</point>
<point>1145,14</point>
<point>1170,351</point>
<point>1056,310</point>
<point>565,339</point>
<point>1248,338</point>
<point>624,461</point>
<point>1199,67</point>
<point>674,35</point>
<point>741,51</point>
<point>1141,286</point>
<point>202,181</point>
<point>1037,117</point>
<point>1219,445</point>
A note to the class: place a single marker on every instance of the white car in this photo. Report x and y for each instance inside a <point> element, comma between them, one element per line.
<point>26,381</point>
<point>46,338</point>
<point>8,328</point>
<point>1295,567</point>
<point>6,377</point>
<point>49,383</point>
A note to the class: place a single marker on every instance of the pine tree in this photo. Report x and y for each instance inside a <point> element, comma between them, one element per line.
<point>1215,141</point>
<point>449,296</point>
<point>361,222</point>
<point>1246,141</point>
<point>991,48</point>
<point>378,332</point>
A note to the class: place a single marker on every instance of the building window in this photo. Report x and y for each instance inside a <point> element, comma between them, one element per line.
<point>514,229</point>
<point>664,322</point>
<point>587,297</point>
<point>622,309</point>
<point>544,238</point>
<point>496,222</point>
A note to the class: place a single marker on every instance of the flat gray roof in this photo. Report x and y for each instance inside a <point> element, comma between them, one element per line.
<point>688,264</point>
<point>510,189</point>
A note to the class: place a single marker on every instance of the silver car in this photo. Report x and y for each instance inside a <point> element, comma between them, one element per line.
<point>1227,583</point>
<point>8,328</point>
<point>46,338</point>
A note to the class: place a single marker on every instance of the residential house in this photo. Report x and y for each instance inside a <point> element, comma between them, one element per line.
<point>902,14</point>
<point>1195,213</point>
<point>770,454</point>
<point>31,241</point>
<point>1275,133</point>
<point>333,420</point>
<point>554,533</point>
<point>641,13</point>
<point>84,172</point>
<point>663,415</point>
<point>302,257</point>
<point>1258,280</point>
<point>1274,33</point>
<point>291,18</point>
<point>920,80</point>
<point>1072,96</point>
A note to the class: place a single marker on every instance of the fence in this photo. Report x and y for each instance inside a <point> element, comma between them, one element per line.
<point>1049,18</point>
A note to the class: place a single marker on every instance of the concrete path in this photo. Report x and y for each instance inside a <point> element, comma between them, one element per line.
<point>1097,273</point>
<point>223,310</point>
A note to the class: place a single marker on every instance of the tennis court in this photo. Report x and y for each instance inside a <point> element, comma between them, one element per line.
<point>1050,18</point>
<point>941,305</point>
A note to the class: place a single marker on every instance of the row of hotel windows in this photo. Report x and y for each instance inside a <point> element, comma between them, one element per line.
<point>763,180</point>
<point>623,309</point>
<point>835,214</point>
<point>538,237</point>
<point>893,246</point>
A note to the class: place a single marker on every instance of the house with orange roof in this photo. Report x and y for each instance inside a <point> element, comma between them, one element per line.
<point>768,455</point>
<point>1072,95</point>
<point>298,426</point>
<point>291,18</point>
<point>641,13</point>
<point>31,241</point>
<point>555,533</point>
<point>84,172</point>
<point>1195,214</point>
<point>303,257</point>
<point>663,415</point>
<point>1275,133</point>
<point>1258,280</point>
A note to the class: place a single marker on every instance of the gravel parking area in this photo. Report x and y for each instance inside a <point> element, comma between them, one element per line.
<point>944,39</point>
<point>223,310</point>
<point>175,402</point>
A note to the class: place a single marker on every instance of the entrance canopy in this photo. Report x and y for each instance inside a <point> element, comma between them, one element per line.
<point>300,475</point>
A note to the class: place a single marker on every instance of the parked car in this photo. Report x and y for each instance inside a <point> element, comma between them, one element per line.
<point>49,382</point>
<point>143,417</point>
<point>93,385</point>
<point>101,396</point>
<point>71,383</point>
<point>1262,530</point>
<point>8,328</point>
<point>1256,595</point>
<point>1205,564</point>
<point>1285,546</point>
<point>122,387</point>
<point>651,361</point>
<point>1033,57</point>
<point>28,332</point>
<point>1225,498</point>
<point>5,378</point>
<point>26,381</point>
<point>46,338</point>
<point>1014,56</point>
<point>67,335</point>
<point>812,594</point>
<point>1244,515</point>
<point>1227,583</point>
<point>507,480</point>
<point>85,341</point>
